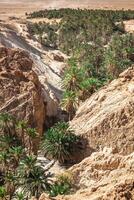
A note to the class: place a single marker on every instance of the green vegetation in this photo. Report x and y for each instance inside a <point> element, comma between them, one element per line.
<point>77,85</point>
<point>19,167</point>
<point>32,178</point>
<point>46,33</point>
<point>119,55</point>
<point>96,41</point>
<point>60,143</point>
<point>63,185</point>
<point>50,14</point>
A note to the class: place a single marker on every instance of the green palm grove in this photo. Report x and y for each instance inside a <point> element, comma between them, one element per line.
<point>97,42</point>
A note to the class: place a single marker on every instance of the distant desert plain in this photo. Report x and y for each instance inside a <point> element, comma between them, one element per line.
<point>18,8</point>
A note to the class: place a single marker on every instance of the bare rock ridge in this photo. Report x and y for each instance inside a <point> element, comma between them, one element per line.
<point>20,89</point>
<point>104,176</point>
<point>106,119</point>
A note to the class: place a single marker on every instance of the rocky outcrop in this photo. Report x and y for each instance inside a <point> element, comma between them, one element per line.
<point>102,176</point>
<point>48,64</point>
<point>20,89</point>
<point>106,119</point>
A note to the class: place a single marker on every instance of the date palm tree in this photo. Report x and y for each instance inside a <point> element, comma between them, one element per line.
<point>4,160</point>
<point>32,133</point>
<point>20,196</point>
<point>73,76</point>
<point>5,142</point>
<point>70,103</point>
<point>3,194</point>
<point>6,122</point>
<point>22,126</point>
<point>32,178</point>
<point>10,180</point>
<point>16,153</point>
<point>59,142</point>
<point>36,182</point>
<point>88,87</point>
<point>28,163</point>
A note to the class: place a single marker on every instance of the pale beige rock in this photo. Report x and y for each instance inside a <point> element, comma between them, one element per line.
<point>107,117</point>
<point>103,176</point>
<point>44,196</point>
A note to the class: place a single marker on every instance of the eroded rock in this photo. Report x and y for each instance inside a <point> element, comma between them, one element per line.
<point>20,89</point>
<point>107,117</point>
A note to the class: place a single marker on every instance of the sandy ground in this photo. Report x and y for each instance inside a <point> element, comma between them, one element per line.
<point>18,8</point>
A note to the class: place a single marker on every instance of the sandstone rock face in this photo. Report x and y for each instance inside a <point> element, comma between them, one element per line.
<point>20,89</point>
<point>104,176</point>
<point>106,119</point>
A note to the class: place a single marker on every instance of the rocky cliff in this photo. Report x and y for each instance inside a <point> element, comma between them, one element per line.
<point>20,89</point>
<point>107,118</point>
<point>102,176</point>
<point>106,121</point>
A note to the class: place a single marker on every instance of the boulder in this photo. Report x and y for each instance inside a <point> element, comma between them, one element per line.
<point>106,119</point>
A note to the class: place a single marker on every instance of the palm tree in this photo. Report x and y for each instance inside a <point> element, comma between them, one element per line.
<point>36,182</point>
<point>32,133</point>
<point>22,125</point>
<point>59,142</point>
<point>32,178</point>
<point>6,122</point>
<point>16,153</point>
<point>3,193</point>
<point>28,163</point>
<point>20,196</point>
<point>70,103</point>
<point>88,87</point>
<point>4,160</point>
<point>73,76</point>
<point>5,142</point>
<point>10,180</point>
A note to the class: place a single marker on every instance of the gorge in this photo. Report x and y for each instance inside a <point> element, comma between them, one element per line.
<point>67,102</point>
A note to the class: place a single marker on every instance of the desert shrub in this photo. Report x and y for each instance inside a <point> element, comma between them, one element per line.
<point>63,185</point>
